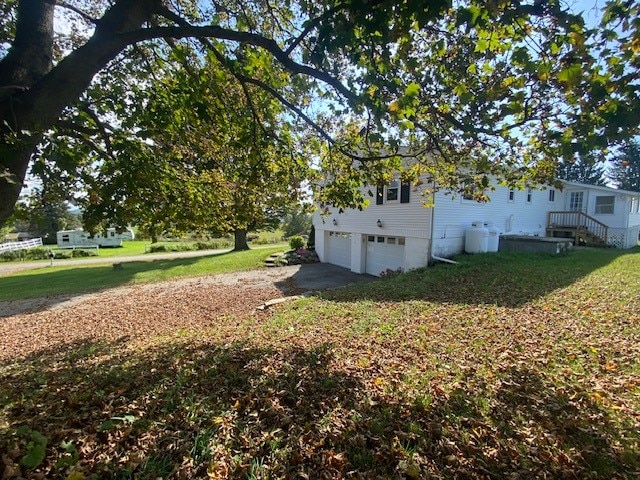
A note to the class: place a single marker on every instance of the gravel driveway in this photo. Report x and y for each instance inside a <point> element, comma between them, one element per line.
<point>139,311</point>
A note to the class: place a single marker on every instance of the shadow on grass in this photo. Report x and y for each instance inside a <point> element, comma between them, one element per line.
<point>241,411</point>
<point>505,279</point>
<point>37,290</point>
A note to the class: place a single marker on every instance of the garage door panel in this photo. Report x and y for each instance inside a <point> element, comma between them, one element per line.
<point>339,250</point>
<point>384,253</point>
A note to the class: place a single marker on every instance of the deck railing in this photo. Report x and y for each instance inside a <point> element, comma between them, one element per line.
<point>578,221</point>
<point>24,245</point>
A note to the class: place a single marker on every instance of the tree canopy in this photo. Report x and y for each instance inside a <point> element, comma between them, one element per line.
<point>470,88</point>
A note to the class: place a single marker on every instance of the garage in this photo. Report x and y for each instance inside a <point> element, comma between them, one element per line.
<point>384,253</point>
<point>339,249</point>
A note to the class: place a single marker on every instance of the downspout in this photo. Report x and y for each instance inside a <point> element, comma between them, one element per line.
<point>433,222</point>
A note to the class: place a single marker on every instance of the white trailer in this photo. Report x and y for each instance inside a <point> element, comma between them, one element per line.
<point>80,238</point>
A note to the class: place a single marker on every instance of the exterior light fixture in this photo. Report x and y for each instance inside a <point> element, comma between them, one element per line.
<point>379,223</point>
<point>335,222</point>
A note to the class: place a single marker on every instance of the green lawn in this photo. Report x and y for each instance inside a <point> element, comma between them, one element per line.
<point>75,279</point>
<point>503,366</point>
<point>132,247</point>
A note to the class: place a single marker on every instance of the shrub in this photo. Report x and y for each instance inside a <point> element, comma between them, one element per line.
<point>37,254</point>
<point>83,253</point>
<point>9,256</point>
<point>211,245</point>
<point>296,242</point>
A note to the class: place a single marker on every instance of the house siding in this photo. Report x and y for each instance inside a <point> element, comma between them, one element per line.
<point>453,215</point>
<point>410,221</point>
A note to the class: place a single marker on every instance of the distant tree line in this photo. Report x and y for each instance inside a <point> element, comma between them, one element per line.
<point>623,171</point>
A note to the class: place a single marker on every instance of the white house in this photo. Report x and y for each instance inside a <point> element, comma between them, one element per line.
<point>398,232</point>
<point>80,238</point>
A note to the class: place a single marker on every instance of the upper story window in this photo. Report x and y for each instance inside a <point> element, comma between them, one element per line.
<point>512,195</point>
<point>552,195</point>
<point>393,191</point>
<point>529,195</point>
<point>396,191</point>
<point>605,204</point>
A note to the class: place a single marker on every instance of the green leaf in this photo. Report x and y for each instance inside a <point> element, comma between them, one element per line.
<point>571,75</point>
<point>482,45</point>
<point>412,90</point>
<point>35,456</point>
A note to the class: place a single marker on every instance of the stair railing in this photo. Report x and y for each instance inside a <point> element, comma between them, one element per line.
<point>578,221</point>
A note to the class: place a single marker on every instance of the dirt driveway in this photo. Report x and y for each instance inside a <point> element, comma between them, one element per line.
<point>140,311</point>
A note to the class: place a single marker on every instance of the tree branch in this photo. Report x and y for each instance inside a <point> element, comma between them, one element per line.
<point>77,11</point>
<point>240,37</point>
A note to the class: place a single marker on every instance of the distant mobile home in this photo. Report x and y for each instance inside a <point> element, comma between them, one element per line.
<point>80,238</point>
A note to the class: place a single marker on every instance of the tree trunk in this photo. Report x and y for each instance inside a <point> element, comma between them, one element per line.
<point>240,240</point>
<point>32,97</point>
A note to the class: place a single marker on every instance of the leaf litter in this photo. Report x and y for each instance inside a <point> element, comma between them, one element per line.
<point>190,381</point>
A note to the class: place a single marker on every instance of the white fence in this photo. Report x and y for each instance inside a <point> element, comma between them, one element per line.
<point>13,246</point>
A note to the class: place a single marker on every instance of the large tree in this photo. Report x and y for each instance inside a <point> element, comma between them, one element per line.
<point>479,88</point>
<point>625,167</point>
<point>215,155</point>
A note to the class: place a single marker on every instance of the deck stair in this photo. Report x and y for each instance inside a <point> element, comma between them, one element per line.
<point>584,230</point>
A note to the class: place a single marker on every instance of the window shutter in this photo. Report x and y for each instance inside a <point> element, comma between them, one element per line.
<point>379,195</point>
<point>404,192</point>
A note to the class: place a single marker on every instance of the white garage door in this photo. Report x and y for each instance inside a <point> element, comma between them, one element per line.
<point>339,249</point>
<point>384,253</point>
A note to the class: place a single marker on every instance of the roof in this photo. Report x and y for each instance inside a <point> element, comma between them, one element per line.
<point>599,187</point>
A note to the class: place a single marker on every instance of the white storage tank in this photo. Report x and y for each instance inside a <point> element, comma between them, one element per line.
<point>493,240</point>
<point>476,238</point>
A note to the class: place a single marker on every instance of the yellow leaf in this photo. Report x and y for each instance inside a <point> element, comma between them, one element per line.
<point>394,107</point>
<point>378,381</point>
<point>75,476</point>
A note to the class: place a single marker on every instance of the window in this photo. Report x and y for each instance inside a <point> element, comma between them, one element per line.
<point>529,195</point>
<point>575,201</point>
<point>396,190</point>
<point>380,239</point>
<point>401,241</point>
<point>605,204</point>
<point>65,238</point>
<point>552,195</point>
<point>512,195</point>
<point>392,191</point>
<point>371,238</point>
<point>391,240</point>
